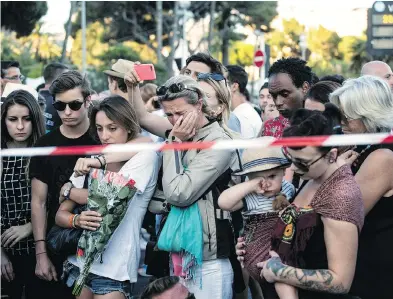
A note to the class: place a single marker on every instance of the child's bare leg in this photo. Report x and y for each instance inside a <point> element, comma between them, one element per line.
<point>255,289</point>
<point>244,294</point>
<point>286,291</point>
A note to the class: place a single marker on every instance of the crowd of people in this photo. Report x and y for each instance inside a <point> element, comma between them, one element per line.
<point>290,222</point>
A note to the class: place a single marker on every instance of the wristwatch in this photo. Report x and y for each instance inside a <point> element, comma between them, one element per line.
<point>67,192</point>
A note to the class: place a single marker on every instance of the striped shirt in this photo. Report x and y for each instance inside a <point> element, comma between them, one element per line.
<point>258,204</point>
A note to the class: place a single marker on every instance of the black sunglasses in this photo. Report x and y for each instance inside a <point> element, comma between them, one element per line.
<point>74,105</point>
<point>174,88</point>
<point>214,76</point>
<point>300,165</point>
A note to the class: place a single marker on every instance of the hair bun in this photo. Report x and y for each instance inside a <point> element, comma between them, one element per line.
<point>333,113</point>
<point>315,124</point>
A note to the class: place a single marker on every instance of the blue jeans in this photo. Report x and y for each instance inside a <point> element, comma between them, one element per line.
<point>98,285</point>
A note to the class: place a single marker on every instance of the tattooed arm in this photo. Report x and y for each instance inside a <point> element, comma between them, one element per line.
<point>341,239</point>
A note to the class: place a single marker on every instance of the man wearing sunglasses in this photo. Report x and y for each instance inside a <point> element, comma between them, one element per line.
<point>49,174</point>
<point>10,72</point>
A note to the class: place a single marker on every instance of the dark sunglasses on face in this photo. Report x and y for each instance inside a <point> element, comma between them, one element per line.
<point>214,76</point>
<point>174,88</point>
<point>301,165</point>
<point>74,105</point>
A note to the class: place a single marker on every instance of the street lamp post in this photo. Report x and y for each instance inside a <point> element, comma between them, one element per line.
<point>303,45</point>
<point>83,25</point>
<point>184,5</point>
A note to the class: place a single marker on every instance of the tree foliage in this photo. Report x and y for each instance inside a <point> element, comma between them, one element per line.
<point>324,43</point>
<point>232,14</point>
<point>22,17</point>
<point>128,20</point>
<point>285,43</point>
<point>327,53</point>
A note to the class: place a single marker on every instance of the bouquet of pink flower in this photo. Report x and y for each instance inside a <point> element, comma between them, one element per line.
<point>109,194</point>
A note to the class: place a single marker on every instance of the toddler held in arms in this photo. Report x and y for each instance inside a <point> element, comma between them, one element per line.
<point>261,196</point>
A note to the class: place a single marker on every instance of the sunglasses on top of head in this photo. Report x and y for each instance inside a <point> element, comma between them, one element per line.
<point>74,105</point>
<point>304,167</point>
<point>214,76</point>
<point>174,88</point>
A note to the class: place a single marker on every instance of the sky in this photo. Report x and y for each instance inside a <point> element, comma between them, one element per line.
<point>346,17</point>
<point>57,16</point>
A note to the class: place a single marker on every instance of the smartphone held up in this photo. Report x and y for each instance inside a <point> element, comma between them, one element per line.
<point>145,71</point>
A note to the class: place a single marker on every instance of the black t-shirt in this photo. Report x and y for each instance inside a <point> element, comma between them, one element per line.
<point>53,120</point>
<point>55,171</point>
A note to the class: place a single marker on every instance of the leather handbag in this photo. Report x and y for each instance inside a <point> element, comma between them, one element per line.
<point>64,241</point>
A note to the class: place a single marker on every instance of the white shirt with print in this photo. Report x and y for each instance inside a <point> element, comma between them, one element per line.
<point>122,255</point>
<point>250,121</point>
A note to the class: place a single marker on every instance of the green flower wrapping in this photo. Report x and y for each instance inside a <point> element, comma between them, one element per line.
<point>109,194</point>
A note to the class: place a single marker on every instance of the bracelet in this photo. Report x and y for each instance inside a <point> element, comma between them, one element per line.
<point>40,253</point>
<point>101,165</point>
<point>70,219</point>
<point>103,158</point>
<point>42,240</point>
<point>74,220</point>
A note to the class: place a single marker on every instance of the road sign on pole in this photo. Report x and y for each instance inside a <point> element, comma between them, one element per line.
<point>259,58</point>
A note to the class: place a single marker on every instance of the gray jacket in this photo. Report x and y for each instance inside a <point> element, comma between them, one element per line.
<point>201,175</point>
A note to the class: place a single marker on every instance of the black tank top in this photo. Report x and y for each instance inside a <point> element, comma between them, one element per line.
<point>374,276</point>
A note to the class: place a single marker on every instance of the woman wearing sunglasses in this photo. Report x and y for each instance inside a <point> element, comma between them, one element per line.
<point>192,182</point>
<point>319,231</point>
<point>218,98</point>
<point>22,124</point>
<point>367,106</point>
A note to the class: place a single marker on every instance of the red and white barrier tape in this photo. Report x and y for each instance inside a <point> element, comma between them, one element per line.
<point>333,140</point>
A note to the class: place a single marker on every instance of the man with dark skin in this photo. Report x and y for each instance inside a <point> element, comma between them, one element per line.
<point>289,81</point>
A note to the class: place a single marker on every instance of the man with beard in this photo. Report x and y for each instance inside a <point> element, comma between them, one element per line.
<point>289,81</point>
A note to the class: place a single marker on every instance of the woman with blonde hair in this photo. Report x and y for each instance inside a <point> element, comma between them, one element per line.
<point>218,98</point>
<point>192,182</point>
<point>367,106</point>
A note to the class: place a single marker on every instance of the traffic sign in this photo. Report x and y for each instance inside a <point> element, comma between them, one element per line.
<point>259,58</point>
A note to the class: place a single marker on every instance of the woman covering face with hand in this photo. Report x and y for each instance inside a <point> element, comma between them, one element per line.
<point>22,124</point>
<point>192,182</point>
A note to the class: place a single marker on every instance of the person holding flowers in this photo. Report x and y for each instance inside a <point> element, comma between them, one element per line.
<point>111,230</point>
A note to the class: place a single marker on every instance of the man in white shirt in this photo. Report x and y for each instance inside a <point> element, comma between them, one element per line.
<point>250,121</point>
